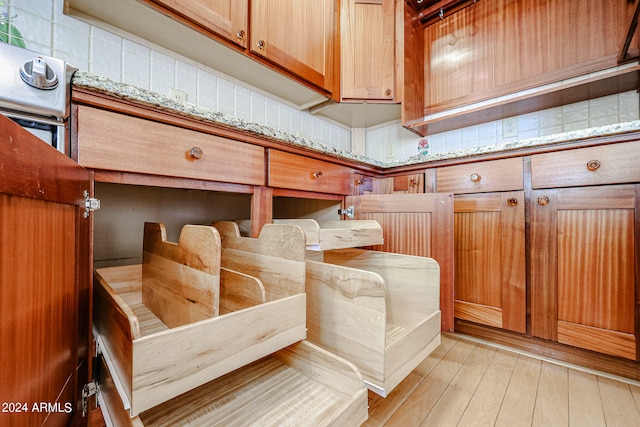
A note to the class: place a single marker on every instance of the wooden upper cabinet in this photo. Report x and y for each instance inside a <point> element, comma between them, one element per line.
<point>499,47</point>
<point>225,18</point>
<point>367,50</point>
<point>491,49</point>
<point>297,36</point>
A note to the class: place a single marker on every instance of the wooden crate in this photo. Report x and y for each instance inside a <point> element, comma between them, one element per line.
<point>325,235</point>
<point>258,315</point>
<point>379,310</point>
<point>301,384</point>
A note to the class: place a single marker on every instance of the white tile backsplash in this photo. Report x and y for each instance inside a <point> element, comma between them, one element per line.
<point>619,108</point>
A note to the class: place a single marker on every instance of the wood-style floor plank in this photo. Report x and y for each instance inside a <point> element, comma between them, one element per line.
<point>425,367</point>
<point>585,406</point>
<point>620,408</point>
<point>451,406</point>
<point>485,404</point>
<point>552,400</point>
<point>381,408</point>
<point>426,395</point>
<point>520,398</point>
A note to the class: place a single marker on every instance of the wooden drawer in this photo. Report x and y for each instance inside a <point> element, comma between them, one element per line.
<point>301,173</point>
<point>481,177</point>
<point>301,384</point>
<point>118,142</point>
<point>606,164</point>
<point>262,308</point>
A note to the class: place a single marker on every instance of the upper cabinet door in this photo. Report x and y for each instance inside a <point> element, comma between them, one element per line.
<point>296,35</point>
<point>45,278</point>
<point>368,50</point>
<point>226,18</point>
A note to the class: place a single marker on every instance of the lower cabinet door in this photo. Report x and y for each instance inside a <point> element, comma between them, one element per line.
<point>489,259</point>
<point>583,256</point>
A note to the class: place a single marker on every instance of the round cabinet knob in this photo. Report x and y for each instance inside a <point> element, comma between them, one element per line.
<point>512,201</point>
<point>361,181</point>
<point>240,34</point>
<point>543,200</point>
<point>317,175</point>
<point>475,177</point>
<point>387,92</point>
<point>261,44</point>
<point>196,153</point>
<point>413,182</point>
<point>593,165</point>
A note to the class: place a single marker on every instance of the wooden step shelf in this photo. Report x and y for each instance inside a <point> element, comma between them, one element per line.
<point>153,360</point>
<point>301,384</point>
<point>379,310</point>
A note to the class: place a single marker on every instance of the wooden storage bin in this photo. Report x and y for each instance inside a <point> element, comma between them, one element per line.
<point>324,235</point>
<point>258,315</point>
<point>300,385</point>
<point>379,310</point>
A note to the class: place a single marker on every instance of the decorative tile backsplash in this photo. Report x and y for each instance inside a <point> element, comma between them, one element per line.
<point>137,62</point>
<point>131,60</point>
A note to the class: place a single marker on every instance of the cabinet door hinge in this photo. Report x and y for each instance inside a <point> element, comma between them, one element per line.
<point>349,212</point>
<point>90,204</point>
<point>89,389</point>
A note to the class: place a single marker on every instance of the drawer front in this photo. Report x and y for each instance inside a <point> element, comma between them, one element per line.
<point>481,177</point>
<point>300,173</point>
<point>607,164</point>
<point>118,142</point>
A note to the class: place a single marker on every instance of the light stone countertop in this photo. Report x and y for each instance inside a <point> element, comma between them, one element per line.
<point>131,93</point>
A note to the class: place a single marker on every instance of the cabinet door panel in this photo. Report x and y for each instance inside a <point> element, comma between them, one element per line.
<point>490,282</point>
<point>367,49</point>
<point>44,280</point>
<point>226,18</point>
<point>296,35</point>
<point>591,234</point>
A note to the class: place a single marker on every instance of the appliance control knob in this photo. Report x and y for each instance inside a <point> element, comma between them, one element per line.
<point>38,74</point>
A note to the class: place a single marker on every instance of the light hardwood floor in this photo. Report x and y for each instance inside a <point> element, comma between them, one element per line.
<point>469,383</point>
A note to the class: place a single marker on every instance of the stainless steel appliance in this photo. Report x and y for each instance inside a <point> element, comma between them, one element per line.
<point>35,92</point>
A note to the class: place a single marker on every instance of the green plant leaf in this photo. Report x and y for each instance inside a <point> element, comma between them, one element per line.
<point>4,32</point>
<point>16,37</point>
